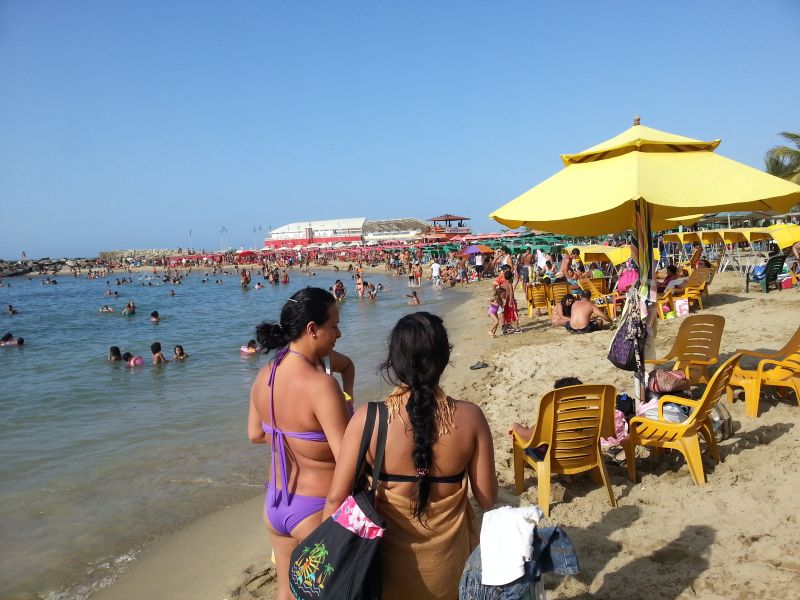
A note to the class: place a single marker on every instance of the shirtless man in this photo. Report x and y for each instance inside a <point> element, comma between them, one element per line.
<point>583,314</point>
<point>526,270</point>
<point>462,271</point>
<point>566,262</point>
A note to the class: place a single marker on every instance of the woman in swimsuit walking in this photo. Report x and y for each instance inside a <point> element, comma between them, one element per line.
<point>298,410</point>
<point>435,448</point>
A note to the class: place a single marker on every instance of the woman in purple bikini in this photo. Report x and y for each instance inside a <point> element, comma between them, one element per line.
<point>299,410</point>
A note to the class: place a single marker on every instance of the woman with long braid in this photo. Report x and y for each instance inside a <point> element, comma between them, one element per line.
<point>434,446</point>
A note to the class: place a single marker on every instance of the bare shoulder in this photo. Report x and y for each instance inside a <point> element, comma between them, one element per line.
<point>320,382</point>
<point>468,413</point>
<point>263,374</point>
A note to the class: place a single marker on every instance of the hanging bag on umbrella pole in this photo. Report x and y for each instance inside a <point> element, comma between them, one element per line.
<point>339,559</point>
<point>627,348</point>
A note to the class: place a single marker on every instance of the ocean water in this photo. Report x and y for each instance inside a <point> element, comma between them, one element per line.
<point>97,460</point>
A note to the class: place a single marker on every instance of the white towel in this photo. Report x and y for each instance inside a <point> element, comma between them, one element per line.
<point>507,543</point>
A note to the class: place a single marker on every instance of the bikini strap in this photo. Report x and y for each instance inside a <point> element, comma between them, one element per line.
<point>413,478</point>
<point>277,434</point>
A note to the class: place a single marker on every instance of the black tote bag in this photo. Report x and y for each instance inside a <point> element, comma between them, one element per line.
<point>339,559</point>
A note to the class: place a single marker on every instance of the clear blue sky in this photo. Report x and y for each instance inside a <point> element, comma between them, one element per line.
<point>128,124</point>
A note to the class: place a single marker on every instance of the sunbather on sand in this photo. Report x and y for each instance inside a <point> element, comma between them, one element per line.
<point>585,314</point>
<point>562,311</point>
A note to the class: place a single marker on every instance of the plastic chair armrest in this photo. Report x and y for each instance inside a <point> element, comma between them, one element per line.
<point>675,400</point>
<point>666,425</point>
<point>754,354</point>
<point>704,361</point>
<point>768,363</point>
<point>657,361</point>
<point>534,442</point>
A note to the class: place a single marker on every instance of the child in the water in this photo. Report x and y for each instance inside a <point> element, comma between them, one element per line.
<point>158,357</point>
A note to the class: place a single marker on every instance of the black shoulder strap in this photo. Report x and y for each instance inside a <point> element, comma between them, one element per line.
<point>380,446</point>
<point>366,437</point>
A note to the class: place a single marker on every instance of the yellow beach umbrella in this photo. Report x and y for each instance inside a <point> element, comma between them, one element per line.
<point>785,236</point>
<point>682,237</point>
<point>616,255</point>
<point>711,236</point>
<point>756,234</point>
<point>598,188</point>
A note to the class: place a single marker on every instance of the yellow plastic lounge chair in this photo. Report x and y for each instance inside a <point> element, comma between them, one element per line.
<point>695,347</point>
<point>610,301</point>
<point>537,298</point>
<point>556,292</point>
<point>778,369</point>
<point>689,264</point>
<point>567,438</point>
<point>682,437</point>
<point>664,301</point>
<point>695,288</point>
<point>600,283</point>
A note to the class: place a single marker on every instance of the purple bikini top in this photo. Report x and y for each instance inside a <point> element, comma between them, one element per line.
<point>279,436</point>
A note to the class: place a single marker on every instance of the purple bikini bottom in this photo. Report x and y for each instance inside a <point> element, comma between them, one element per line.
<point>287,515</point>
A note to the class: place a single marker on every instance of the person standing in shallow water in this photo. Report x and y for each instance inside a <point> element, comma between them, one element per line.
<point>435,447</point>
<point>299,410</point>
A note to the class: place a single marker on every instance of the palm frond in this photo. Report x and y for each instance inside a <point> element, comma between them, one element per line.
<point>792,137</point>
<point>786,154</point>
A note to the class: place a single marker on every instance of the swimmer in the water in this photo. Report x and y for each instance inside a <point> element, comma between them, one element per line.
<point>11,310</point>
<point>130,309</point>
<point>158,357</point>
<point>259,285</point>
<point>154,317</point>
<point>114,354</point>
<point>179,354</point>
<point>132,361</point>
<point>10,341</point>
<point>414,298</point>
<point>106,308</point>
<point>251,348</point>
<point>171,293</point>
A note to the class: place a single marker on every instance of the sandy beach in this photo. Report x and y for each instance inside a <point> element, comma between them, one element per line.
<point>735,537</point>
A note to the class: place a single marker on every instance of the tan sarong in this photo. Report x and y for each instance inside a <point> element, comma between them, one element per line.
<point>425,561</point>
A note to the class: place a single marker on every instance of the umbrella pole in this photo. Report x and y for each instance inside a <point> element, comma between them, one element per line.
<point>642,251</point>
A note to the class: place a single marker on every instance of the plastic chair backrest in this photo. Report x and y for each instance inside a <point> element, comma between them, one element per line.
<point>698,338</point>
<point>572,420</point>
<point>714,391</point>
<point>600,284</point>
<point>586,284</point>
<point>790,347</point>
<point>537,295</point>
<point>558,291</point>
<point>774,267</point>
<point>697,279</point>
<point>696,254</point>
<point>792,362</point>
